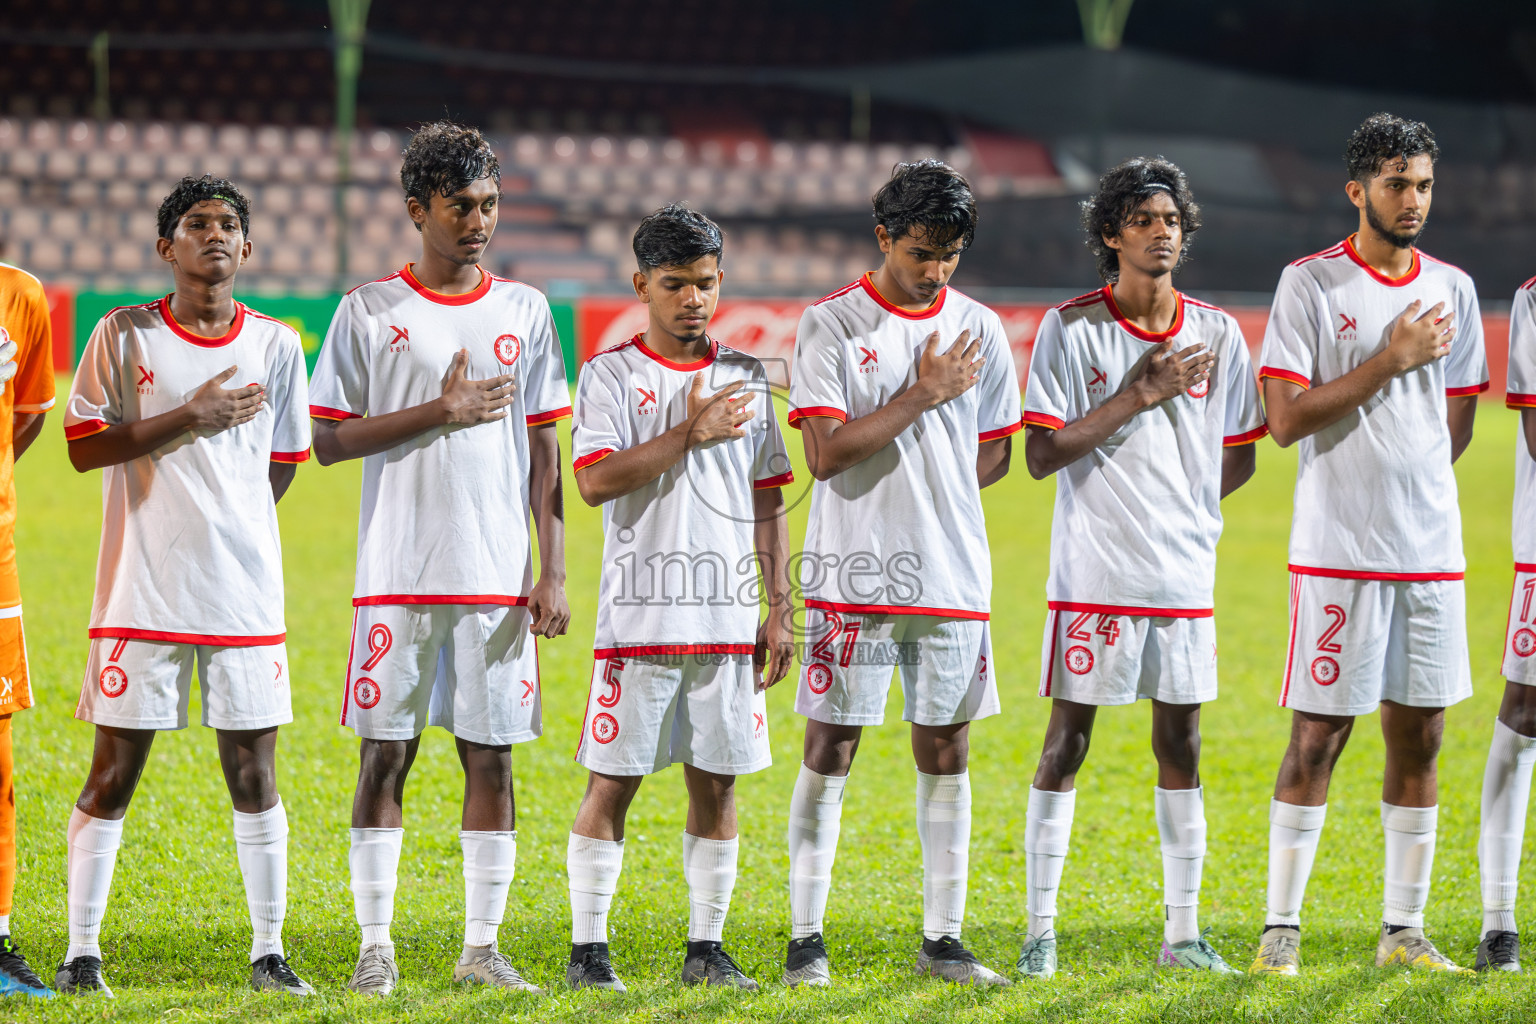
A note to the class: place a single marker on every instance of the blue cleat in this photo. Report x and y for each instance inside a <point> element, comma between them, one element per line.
<point>17,978</point>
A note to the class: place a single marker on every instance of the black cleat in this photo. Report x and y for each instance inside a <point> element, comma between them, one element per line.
<point>591,968</point>
<point>17,978</point>
<point>81,976</point>
<point>1499,951</point>
<point>707,963</point>
<point>271,973</point>
<point>806,963</point>
<point>948,958</point>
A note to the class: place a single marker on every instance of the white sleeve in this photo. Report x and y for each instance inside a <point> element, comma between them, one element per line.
<point>1244,415</point>
<point>1466,365</point>
<point>1521,392</point>
<point>548,396</point>
<point>1296,321</point>
<point>770,463</point>
<point>817,387</point>
<point>997,411</point>
<point>1048,391</point>
<point>288,391</point>
<point>96,396</point>
<point>339,388</point>
<point>600,425</point>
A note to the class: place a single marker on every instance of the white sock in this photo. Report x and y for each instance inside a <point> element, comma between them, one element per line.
<point>261,846</point>
<point>709,866</point>
<point>1410,858</point>
<point>490,859</point>
<point>1294,830</point>
<point>593,867</point>
<point>5,924</point>
<point>375,860</point>
<point>1506,792</point>
<point>93,844</point>
<point>944,830</point>
<point>815,818</point>
<point>1047,832</point>
<point>1181,830</point>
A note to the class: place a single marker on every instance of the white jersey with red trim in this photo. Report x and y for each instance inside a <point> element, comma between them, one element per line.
<point>901,532</point>
<point>1137,518</point>
<point>679,574</point>
<point>1521,394</point>
<point>444,516</point>
<point>1375,494</point>
<point>189,542</point>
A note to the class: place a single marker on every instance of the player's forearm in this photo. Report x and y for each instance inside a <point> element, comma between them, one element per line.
<point>1046,451</point>
<point>830,450</point>
<point>992,459</point>
<point>25,428</point>
<point>1294,412</point>
<point>360,436</point>
<point>547,496</point>
<point>280,475</point>
<point>1237,466</point>
<point>1460,415</point>
<point>770,538</point>
<point>627,471</point>
<point>124,442</point>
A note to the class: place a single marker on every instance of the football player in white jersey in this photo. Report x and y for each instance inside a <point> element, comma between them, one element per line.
<point>1144,404</point>
<point>448,383</point>
<point>675,438</point>
<point>1372,361</point>
<point>190,572</point>
<point>1507,778</point>
<point>906,396</point>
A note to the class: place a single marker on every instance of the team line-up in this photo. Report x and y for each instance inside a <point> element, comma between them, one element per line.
<point>448,383</point>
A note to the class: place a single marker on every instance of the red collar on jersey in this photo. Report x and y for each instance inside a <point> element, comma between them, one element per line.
<point>1137,332</point>
<point>446,300</point>
<point>697,364</point>
<point>197,339</point>
<point>932,309</point>
<point>1390,282</point>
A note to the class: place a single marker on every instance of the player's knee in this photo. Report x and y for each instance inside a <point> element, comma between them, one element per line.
<point>253,785</point>
<point>1180,751</point>
<point>383,762</point>
<point>1062,757</point>
<point>108,791</point>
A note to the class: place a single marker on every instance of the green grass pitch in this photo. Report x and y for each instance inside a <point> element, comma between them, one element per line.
<point>176,932</point>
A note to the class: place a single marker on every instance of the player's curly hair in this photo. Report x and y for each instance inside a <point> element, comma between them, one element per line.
<point>1381,137</point>
<point>445,158</point>
<point>1122,190</point>
<point>931,196</point>
<point>190,191</point>
<point>675,236</point>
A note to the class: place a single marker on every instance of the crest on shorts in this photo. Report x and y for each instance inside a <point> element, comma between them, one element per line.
<point>507,348</point>
<point>1079,660</point>
<point>1325,671</point>
<point>113,681</point>
<point>818,677</point>
<point>366,693</point>
<point>1524,643</point>
<point>605,728</point>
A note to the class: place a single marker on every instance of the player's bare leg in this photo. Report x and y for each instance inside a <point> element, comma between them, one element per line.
<point>594,857</point>
<point>95,832</point>
<point>1296,815</point>
<point>1506,795</point>
<point>1048,828</point>
<point>378,828</point>
<point>249,760</point>
<point>709,865</point>
<point>815,819</point>
<point>1180,807</point>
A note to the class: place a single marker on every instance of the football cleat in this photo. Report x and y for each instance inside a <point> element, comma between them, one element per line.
<point>1279,951</point>
<point>487,966</point>
<point>80,976</point>
<point>376,973</point>
<point>707,963</point>
<point>272,974</point>
<point>947,958</point>
<point>1499,951</point>
<point>806,963</point>
<point>1408,947</point>
<point>1038,957</point>
<point>1194,955</point>
<point>591,968</point>
<point>17,978</point>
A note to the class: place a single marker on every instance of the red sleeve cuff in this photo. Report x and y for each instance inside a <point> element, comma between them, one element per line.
<point>774,481</point>
<point>302,456</point>
<point>796,415</point>
<point>1279,374</point>
<point>1247,437</point>
<point>591,458</point>
<point>84,429</point>
<point>1040,419</point>
<point>320,412</point>
<point>538,419</point>
<point>1475,389</point>
<point>993,435</point>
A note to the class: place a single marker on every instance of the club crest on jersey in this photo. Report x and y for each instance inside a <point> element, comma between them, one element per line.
<point>146,384</point>
<point>1098,382</point>
<point>399,339</point>
<point>1524,643</point>
<point>605,728</point>
<point>648,404</point>
<point>113,681</point>
<point>366,693</point>
<point>869,360</point>
<point>818,677</point>
<point>1325,671</point>
<point>507,348</point>
<point>1199,390</point>
<point>1079,660</point>
<point>1349,328</point>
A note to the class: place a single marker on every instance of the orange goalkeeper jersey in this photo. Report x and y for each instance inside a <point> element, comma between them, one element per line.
<point>24,319</point>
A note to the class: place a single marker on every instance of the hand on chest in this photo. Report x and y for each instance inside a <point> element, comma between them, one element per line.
<point>1360,323</point>
<point>428,348</point>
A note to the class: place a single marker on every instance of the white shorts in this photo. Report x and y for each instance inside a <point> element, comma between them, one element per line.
<point>945,665</point>
<point>1107,659</point>
<point>1355,643</point>
<point>647,712</point>
<point>1520,636</point>
<point>145,684</point>
<point>472,669</point>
